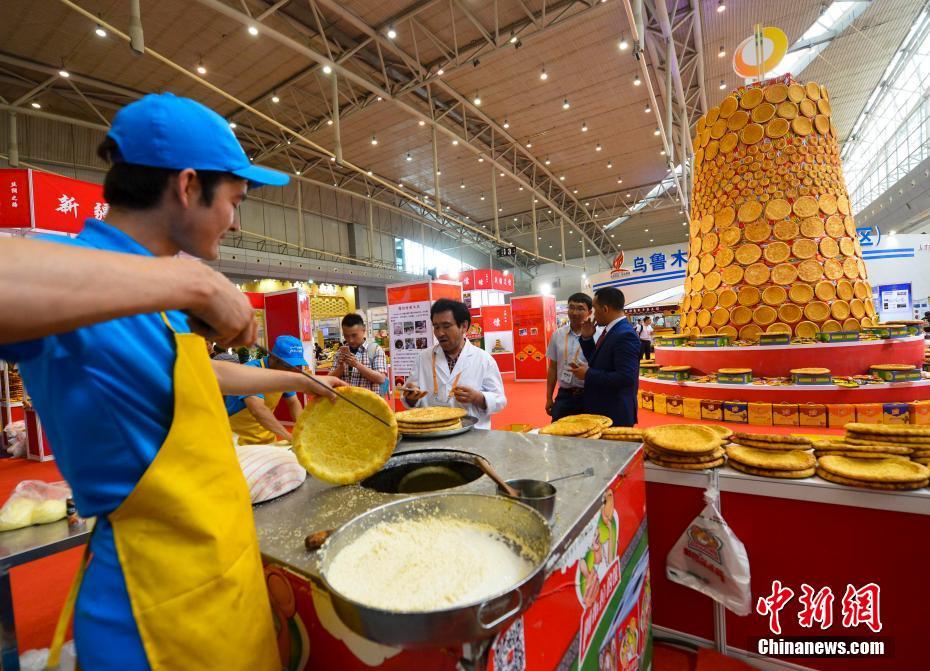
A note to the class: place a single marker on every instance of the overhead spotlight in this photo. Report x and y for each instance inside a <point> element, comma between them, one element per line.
<point>440,72</point>
<point>332,159</point>
<point>637,81</point>
<point>597,147</point>
<point>100,31</point>
<point>477,100</point>
<point>253,30</point>
<point>565,104</point>
<point>521,188</point>
<point>408,157</point>
<point>232,124</point>
<point>502,174</point>
<point>584,127</point>
<point>391,33</point>
<point>662,153</point>
<point>421,122</point>
<point>369,173</point>
<point>587,204</point>
<point>329,122</point>
<point>721,6</point>
<point>623,45</point>
<point>201,70</point>
<point>455,142</point>
<point>481,159</point>
<point>619,180</point>
<point>723,84</point>
<point>275,99</point>
<point>482,196</point>
<point>327,69</point>
<point>543,75</point>
<point>722,52</point>
<point>575,191</point>
<point>528,144</point>
<point>610,164</point>
<point>36,105</point>
<point>64,73</point>
<point>561,178</point>
<point>656,131</point>
<point>297,172</point>
<point>506,124</point>
<point>462,184</point>
<point>513,38</point>
<point>374,140</point>
<point>439,172</point>
<point>380,98</point>
<point>647,109</point>
<point>500,209</point>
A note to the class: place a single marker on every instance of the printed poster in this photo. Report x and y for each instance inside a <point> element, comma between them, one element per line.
<point>409,333</point>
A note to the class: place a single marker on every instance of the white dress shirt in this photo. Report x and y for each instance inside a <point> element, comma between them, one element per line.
<point>564,349</point>
<point>475,368</point>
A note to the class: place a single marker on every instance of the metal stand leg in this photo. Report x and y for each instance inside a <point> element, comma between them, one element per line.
<point>720,611</point>
<point>9,649</point>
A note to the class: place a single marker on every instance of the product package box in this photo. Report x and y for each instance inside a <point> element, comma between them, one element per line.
<point>737,411</point>
<point>647,399</point>
<point>812,414</point>
<point>919,412</point>
<point>840,414</point>
<point>760,414</point>
<point>691,408</point>
<point>895,413</point>
<point>712,410</point>
<point>785,414</point>
<point>869,413</point>
<point>659,403</point>
<point>674,405</point>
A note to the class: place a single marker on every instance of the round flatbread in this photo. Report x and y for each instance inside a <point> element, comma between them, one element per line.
<point>805,206</point>
<point>430,415</point>
<point>834,226</point>
<point>687,466</point>
<point>718,129</point>
<point>791,460</point>
<point>787,110</point>
<point>752,133</point>
<point>724,257</point>
<point>796,93</point>
<point>720,317</point>
<point>786,230</point>
<point>877,470</point>
<point>728,331</point>
<point>856,309</point>
<point>807,108</point>
<point>822,124</point>
<point>825,291</point>
<point>789,313</point>
<point>740,316</point>
<point>341,445</point>
<point>801,125</point>
<point>712,281</point>
<point>703,318</point>
<point>750,98</point>
<point>777,208</point>
<point>729,105</point>
<point>862,290</point>
<point>763,112</point>
<point>750,332</point>
<point>832,269</point>
<point>842,204</point>
<point>724,217</point>
<point>748,254</point>
<point>827,203</point>
<point>710,152</point>
<point>573,429</point>
<point>908,431</point>
<point>776,128</point>
<point>707,264</point>
<point>840,310</point>
<point>603,420</point>
<point>764,315</point>
<point>697,282</point>
<point>728,142</point>
<point>806,329</point>
<point>757,231</point>
<point>812,90</point>
<point>850,482</point>
<point>726,298</point>
<point>816,311</point>
<point>749,211</point>
<point>711,117</point>
<point>823,106</point>
<point>710,242</point>
<point>831,326</point>
<point>707,223</point>
<point>779,327</point>
<point>804,248</point>
<point>683,438</point>
<point>732,274</point>
<point>738,120</point>
<point>784,273</point>
<point>810,270</point>
<point>812,227</point>
<point>776,93</point>
<point>777,252</point>
<point>730,236</point>
<point>768,473</point>
<point>801,293</point>
<point>749,296</point>
<point>792,442</point>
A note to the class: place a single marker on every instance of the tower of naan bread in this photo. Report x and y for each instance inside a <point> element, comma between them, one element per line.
<point>773,243</point>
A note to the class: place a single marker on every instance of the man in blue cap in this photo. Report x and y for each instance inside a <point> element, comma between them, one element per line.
<point>252,417</point>
<point>133,408</point>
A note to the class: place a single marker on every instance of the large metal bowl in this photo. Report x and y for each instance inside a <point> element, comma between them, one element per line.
<point>461,624</point>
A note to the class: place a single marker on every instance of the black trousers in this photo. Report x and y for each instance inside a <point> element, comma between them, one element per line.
<point>645,349</point>
<point>566,403</point>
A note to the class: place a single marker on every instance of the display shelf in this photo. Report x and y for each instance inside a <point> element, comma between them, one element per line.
<point>844,358</point>
<point>885,392</point>
<point>7,404</point>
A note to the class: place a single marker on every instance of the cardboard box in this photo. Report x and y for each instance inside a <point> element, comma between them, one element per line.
<point>712,410</point>
<point>895,413</point>
<point>674,405</point>
<point>759,414</point>
<point>919,412</point>
<point>775,339</point>
<point>734,378</point>
<point>812,414</point>
<point>840,414</point>
<point>785,414</point>
<point>691,408</point>
<point>736,411</point>
<point>712,341</point>
<point>659,403</point>
<point>647,400</point>
<point>869,413</point>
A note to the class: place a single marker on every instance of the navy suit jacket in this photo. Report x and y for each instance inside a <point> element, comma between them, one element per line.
<point>613,374</point>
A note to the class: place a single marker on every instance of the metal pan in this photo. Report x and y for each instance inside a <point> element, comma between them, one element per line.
<point>461,624</point>
<point>468,422</point>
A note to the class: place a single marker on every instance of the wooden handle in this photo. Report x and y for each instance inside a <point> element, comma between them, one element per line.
<point>488,469</point>
<point>314,541</point>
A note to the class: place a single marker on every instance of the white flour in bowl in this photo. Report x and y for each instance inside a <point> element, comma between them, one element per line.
<point>425,565</point>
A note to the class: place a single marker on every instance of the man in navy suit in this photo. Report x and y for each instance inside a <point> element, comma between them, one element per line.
<point>611,376</point>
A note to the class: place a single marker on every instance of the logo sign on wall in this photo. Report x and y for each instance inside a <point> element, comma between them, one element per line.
<point>770,43</point>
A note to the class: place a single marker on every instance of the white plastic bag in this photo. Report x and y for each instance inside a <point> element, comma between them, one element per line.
<point>34,502</point>
<point>269,470</point>
<point>15,434</point>
<point>710,558</point>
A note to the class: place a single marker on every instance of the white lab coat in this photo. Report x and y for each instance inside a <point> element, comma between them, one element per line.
<point>478,371</point>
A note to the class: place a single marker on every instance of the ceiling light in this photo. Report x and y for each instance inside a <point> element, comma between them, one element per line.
<point>462,184</point>
<point>275,99</point>
<point>535,200</point>
<point>662,153</point>
<point>528,144</point>
<point>723,84</point>
<point>36,105</point>
<point>329,122</point>
<point>369,173</point>
<point>561,178</point>
<point>584,127</point>
<point>547,161</point>
<point>506,124</point>
<point>628,195</point>
<point>481,159</point>
<point>100,31</point>
<point>645,230</point>
<point>598,147</point>
<point>637,81</point>
<point>477,100</point>
<point>610,164</point>
<point>574,190</point>
<point>421,122</point>
<point>565,104</point>
<point>332,159</point>
<point>455,142</point>
<point>327,69</point>
<point>440,72</point>
<point>656,131</point>
<point>374,140</point>
<point>408,157</point>
<point>500,209</point>
<point>439,172</point>
<point>482,196</point>
<point>588,204</point>
<point>722,52</point>
<point>513,38</point>
<point>623,44</point>
<point>619,180</point>
<point>380,98</point>
<point>400,186</point>
<point>502,174</point>
<point>543,75</point>
<point>232,124</point>
<point>651,240</point>
<point>201,70</point>
<point>297,172</point>
<point>64,73</point>
<point>253,31</point>
<point>721,7</point>
<point>521,188</point>
<point>648,109</point>
<point>391,33</point>
<point>684,223</point>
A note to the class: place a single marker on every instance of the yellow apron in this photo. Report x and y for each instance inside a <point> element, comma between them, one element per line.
<point>187,543</point>
<point>247,427</point>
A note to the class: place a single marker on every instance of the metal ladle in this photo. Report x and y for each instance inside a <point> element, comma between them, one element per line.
<point>586,473</point>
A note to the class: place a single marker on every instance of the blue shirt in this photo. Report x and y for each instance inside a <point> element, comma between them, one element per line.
<point>105,396</point>
<point>235,404</point>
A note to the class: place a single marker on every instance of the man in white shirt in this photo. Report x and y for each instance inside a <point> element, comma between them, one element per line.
<point>565,349</point>
<point>645,339</point>
<point>454,372</point>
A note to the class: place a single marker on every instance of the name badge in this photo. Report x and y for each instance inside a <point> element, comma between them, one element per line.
<point>567,376</point>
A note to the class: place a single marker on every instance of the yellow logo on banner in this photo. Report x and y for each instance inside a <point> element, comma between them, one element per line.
<point>746,59</point>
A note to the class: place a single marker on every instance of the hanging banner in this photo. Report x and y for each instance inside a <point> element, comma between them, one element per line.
<point>39,200</point>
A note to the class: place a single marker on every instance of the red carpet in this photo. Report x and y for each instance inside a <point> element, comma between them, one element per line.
<point>39,588</point>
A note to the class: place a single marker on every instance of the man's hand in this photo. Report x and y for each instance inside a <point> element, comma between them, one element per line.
<point>549,407</point>
<point>221,313</point>
<point>350,360</point>
<point>579,370</point>
<point>412,393</point>
<point>468,396</point>
<point>328,383</point>
<point>587,328</point>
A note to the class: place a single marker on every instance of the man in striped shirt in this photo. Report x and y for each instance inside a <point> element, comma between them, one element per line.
<point>358,362</point>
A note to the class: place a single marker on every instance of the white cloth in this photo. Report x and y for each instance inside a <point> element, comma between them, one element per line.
<point>565,348</point>
<point>477,369</point>
<point>647,333</point>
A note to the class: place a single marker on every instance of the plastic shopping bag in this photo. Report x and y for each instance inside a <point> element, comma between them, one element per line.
<point>15,433</point>
<point>710,558</point>
<point>34,502</point>
<point>270,471</point>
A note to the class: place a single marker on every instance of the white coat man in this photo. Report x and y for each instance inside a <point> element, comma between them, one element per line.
<point>454,372</point>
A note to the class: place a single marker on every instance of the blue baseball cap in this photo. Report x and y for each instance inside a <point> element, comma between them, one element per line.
<point>162,130</point>
<point>290,350</point>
